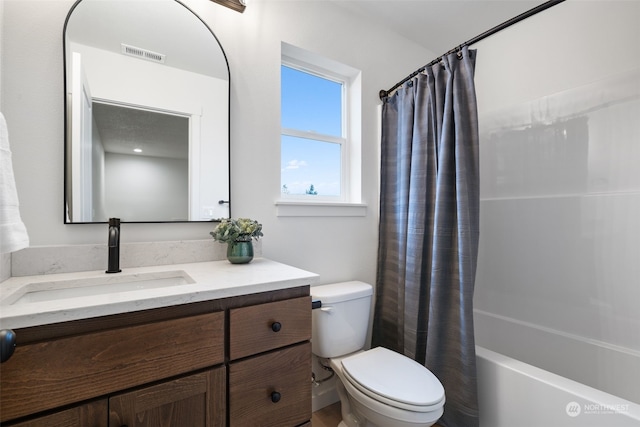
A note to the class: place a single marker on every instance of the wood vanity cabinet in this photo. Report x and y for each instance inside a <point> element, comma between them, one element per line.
<point>194,400</point>
<point>216,363</point>
<point>92,414</point>
<point>270,368</point>
<point>191,400</point>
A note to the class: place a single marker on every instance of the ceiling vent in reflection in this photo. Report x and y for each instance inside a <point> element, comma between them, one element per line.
<point>142,53</point>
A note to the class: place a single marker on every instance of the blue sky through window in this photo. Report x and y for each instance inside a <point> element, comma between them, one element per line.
<point>307,162</point>
<point>310,104</point>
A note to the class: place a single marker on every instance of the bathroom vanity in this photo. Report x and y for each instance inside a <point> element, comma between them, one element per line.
<point>230,347</point>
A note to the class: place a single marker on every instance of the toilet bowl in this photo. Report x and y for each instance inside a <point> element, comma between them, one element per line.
<point>386,388</point>
<point>377,387</point>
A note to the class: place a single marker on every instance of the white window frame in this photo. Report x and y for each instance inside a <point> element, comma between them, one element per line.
<point>349,201</point>
<point>341,140</point>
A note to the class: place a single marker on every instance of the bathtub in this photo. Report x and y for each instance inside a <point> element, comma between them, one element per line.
<point>512,393</point>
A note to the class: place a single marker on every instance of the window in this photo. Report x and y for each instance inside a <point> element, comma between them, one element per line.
<point>320,136</point>
<point>313,142</point>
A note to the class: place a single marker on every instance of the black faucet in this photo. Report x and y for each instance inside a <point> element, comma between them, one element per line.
<point>114,246</point>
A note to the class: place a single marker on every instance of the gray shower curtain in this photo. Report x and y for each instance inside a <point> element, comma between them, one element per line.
<point>429,220</point>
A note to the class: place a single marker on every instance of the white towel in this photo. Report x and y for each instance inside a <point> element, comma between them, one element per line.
<point>13,233</point>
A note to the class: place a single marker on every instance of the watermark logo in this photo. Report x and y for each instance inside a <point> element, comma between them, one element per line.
<point>573,409</point>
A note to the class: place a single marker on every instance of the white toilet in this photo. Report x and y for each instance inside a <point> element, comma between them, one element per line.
<point>377,387</point>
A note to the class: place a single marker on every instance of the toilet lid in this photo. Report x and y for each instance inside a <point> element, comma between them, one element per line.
<point>393,376</point>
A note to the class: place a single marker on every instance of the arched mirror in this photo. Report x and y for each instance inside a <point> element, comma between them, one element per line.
<point>146,114</point>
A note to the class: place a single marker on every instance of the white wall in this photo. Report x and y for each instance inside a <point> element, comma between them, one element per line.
<point>337,248</point>
<point>153,188</point>
<point>97,174</point>
<point>5,259</point>
<point>1,43</point>
<point>557,283</point>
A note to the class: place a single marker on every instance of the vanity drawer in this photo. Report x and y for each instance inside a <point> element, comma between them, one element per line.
<point>254,382</point>
<point>258,328</point>
<point>58,372</point>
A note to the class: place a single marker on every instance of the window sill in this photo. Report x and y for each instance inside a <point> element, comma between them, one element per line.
<point>326,209</point>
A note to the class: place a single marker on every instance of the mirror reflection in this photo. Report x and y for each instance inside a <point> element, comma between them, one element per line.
<point>147,114</point>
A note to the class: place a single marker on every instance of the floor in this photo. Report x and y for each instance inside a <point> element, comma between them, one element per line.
<point>329,417</point>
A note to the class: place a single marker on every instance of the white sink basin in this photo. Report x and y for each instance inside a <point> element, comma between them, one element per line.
<point>103,285</point>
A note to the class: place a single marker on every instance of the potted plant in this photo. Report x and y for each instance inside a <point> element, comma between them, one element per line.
<point>238,234</point>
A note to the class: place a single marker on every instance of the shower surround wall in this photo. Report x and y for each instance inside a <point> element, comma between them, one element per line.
<point>559,262</point>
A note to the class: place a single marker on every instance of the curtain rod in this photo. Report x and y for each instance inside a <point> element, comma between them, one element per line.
<point>544,6</point>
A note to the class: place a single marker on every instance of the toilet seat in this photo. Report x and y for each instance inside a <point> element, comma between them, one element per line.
<point>406,385</point>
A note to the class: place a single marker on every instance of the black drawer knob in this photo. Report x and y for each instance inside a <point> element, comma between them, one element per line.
<point>7,344</point>
<point>275,397</point>
<point>276,326</point>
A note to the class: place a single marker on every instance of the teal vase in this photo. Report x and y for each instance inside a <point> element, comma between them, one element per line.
<point>240,252</point>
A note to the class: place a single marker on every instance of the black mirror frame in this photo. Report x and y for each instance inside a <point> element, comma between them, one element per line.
<point>67,117</point>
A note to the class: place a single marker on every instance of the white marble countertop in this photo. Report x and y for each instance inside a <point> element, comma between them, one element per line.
<point>212,280</point>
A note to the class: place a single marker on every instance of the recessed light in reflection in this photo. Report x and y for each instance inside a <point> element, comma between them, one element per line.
<point>137,150</point>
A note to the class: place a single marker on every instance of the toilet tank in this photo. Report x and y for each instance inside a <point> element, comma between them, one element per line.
<point>340,325</point>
